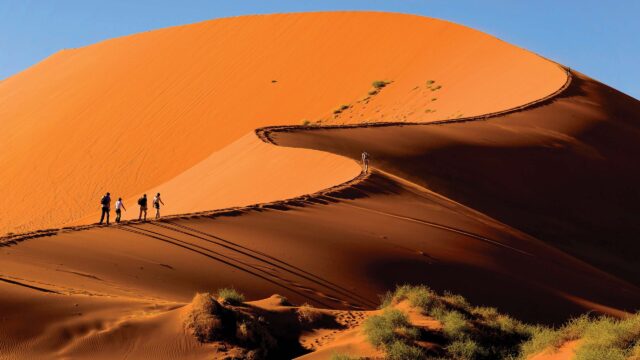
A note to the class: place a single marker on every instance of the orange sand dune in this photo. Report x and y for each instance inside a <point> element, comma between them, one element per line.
<point>129,114</point>
<point>530,210</point>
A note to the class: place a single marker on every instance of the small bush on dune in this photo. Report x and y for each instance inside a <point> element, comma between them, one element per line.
<point>454,325</point>
<point>418,296</point>
<point>229,296</point>
<point>383,330</point>
<point>608,338</point>
<point>399,350</point>
<point>306,122</point>
<point>341,109</point>
<point>308,315</point>
<point>430,82</point>
<point>372,92</point>
<point>379,84</point>
<point>465,349</point>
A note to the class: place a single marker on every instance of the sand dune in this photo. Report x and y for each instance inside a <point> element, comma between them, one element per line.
<point>517,192</point>
<point>147,107</point>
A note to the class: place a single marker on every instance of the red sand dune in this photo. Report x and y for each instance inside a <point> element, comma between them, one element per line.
<point>529,210</point>
<point>129,114</point>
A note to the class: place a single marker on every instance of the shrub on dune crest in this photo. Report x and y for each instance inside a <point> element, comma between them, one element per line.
<point>399,350</point>
<point>392,325</point>
<point>229,296</point>
<point>379,84</point>
<point>308,315</point>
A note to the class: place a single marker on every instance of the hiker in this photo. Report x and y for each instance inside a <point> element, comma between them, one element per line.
<point>119,207</point>
<point>143,207</point>
<point>365,161</point>
<point>156,204</point>
<point>105,203</point>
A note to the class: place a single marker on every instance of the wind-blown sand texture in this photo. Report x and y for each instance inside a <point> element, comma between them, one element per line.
<point>518,191</point>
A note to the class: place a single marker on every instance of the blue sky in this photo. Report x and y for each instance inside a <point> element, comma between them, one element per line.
<point>599,38</point>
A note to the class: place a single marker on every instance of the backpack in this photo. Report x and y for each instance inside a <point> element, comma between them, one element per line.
<point>104,200</point>
<point>140,201</point>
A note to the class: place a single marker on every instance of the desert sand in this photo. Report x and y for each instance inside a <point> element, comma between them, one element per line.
<point>515,187</point>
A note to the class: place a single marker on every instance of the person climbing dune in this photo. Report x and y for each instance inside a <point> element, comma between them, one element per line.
<point>365,161</point>
<point>105,204</point>
<point>143,207</point>
<point>119,207</point>
<point>156,204</point>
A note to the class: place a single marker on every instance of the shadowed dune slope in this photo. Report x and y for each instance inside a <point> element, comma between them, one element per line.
<point>128,114</point>
<point>565,172</point>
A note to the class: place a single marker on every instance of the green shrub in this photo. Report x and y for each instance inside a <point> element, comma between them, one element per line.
<point>465,349</point>
<point>391,325</point>
<point>398,350</point>
<point>608,338</point>
<point>341,109</point>
<point>456,301</point>
<point>229,296</point>
<point>379,84</point>
<point>542,339</point>
<point>454,325</point>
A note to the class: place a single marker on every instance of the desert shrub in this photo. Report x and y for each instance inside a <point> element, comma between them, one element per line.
<point>392,325</point>
<point>430,82</point>
<point>434,99</point>
<point>608,338</point>
<point>399,350</point>
<point>456,301</point>
<point>419,296</point>
<point>454,325</point>
<point>308,315</point>
<point>466,349</point>
<point>229,296</point>
<point>379,84</point>
<point>305,122</point>
<point>542,339</point>
<point>373,92</point>
<point>341,109</point>
<point>204,318</point>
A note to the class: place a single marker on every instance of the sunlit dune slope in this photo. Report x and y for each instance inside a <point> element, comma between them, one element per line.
<point>129,114</point>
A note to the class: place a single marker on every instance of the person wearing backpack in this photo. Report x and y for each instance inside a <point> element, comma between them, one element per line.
<point>105,203</point>
<point>156,204</point>
<point>119,206</point>
<point>365,161</point>
<point>143,207</point>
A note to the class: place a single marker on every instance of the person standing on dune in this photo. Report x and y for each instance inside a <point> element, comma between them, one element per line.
<point>119,206</point>
<point>365,161</point>
<point>143,207</point>
<point>105,202</point>
<point>156,204</point>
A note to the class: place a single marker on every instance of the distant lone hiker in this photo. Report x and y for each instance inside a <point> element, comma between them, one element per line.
<point>156,204</point>
<point>365,161</point>
<point>119,206</point>
<point>105,203</point>
<point>143,207</point>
